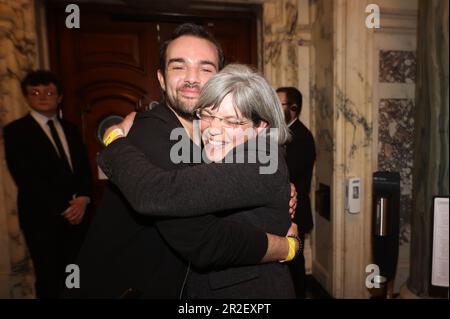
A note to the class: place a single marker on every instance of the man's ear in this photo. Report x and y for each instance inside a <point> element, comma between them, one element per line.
<point>161,80</point>
<point>60,97</point>
<point>293,108</point>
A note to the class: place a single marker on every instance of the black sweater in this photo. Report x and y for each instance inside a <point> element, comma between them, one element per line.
<point>237,192</point>
<point>126,250</point>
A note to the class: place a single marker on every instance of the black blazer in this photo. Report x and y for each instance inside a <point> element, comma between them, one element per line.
<point>300,158</point>
<point>45,187</point>
<point>236,192</point>
<point>146,257</point>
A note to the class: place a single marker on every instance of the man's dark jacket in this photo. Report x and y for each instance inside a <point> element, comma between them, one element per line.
<point>241,192</point>
<point>300,158</point>
<point>45,187</point>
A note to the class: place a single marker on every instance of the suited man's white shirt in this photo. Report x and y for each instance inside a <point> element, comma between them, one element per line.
<point>292,122</point>
<point>42,121</point>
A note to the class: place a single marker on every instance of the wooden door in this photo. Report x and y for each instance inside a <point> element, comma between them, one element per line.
<point>110,63</point>
<point>106,67</point>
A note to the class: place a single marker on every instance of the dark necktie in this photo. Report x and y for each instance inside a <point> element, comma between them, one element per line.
<point>58,143</point>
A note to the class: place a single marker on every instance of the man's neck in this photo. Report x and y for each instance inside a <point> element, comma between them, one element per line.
<point>187,123</point>
<point>46,114</point>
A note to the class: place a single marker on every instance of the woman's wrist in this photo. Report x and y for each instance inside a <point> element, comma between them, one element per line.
<point>299,243</point>
<point>115,134</point>
<point>294,246</point>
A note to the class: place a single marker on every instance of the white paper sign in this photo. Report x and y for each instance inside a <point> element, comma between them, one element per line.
<point>439,272</point>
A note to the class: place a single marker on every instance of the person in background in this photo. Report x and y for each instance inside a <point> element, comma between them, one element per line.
<point>49,164</point>
<point>300,157</point>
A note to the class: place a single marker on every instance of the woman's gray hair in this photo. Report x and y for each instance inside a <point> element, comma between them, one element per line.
<point>252,95</point>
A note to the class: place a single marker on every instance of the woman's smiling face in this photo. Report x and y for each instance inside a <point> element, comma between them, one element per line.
<point>223,128</point>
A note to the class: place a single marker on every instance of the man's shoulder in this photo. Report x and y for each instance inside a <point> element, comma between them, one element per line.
<point>302,140</point>
<point>68,124</point>
<point>155,124</point>
<point>18,124</point>
<point>159,113</point>
<point>300,131</point>
<point>151,134</point>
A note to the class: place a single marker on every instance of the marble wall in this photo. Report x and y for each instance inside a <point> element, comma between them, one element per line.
<point>362,98</point>
<point>300,49</point>
<point>286,33</point>
<point>396,129</point>
<point>322,103</point>
<point>353,135</point>
<point>395,138</point>
<point>339,52</point>
<point>395,69</point>
<point>17,54</point>
<point>397,66</point>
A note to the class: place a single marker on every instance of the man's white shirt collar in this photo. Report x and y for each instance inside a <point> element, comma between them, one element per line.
<point>292,122</point>
<point>42,119</point>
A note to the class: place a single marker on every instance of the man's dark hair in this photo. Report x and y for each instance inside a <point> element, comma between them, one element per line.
<point>293,96</point>
<point>192,30</point>
<point>40,77</point>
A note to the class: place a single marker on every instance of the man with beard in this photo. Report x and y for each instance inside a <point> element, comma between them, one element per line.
<point>132,256</point>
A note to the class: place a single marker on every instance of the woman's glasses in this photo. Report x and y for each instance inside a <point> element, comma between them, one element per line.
<point>230,122</point>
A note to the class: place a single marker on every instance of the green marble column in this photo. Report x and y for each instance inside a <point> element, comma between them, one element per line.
<point>430,171</point>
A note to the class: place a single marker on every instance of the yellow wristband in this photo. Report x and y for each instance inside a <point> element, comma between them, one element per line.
<point>117,132</point>
<point>292,251</point>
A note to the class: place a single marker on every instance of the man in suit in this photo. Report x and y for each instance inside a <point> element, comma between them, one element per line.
<point>300,157</point>
<point>49,163</point>
<point>128,255</point>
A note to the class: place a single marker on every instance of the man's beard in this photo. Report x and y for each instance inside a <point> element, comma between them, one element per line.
<point>183,109</point>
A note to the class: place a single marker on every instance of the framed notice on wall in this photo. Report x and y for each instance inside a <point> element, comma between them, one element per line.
<point>439,271</point>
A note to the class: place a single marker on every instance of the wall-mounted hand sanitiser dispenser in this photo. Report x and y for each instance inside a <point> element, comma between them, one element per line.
<point>353,195</point>
<point>386,219</point>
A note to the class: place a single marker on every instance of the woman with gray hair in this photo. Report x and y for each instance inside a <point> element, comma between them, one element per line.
<point>242,123</point>
<point>239,92</point>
